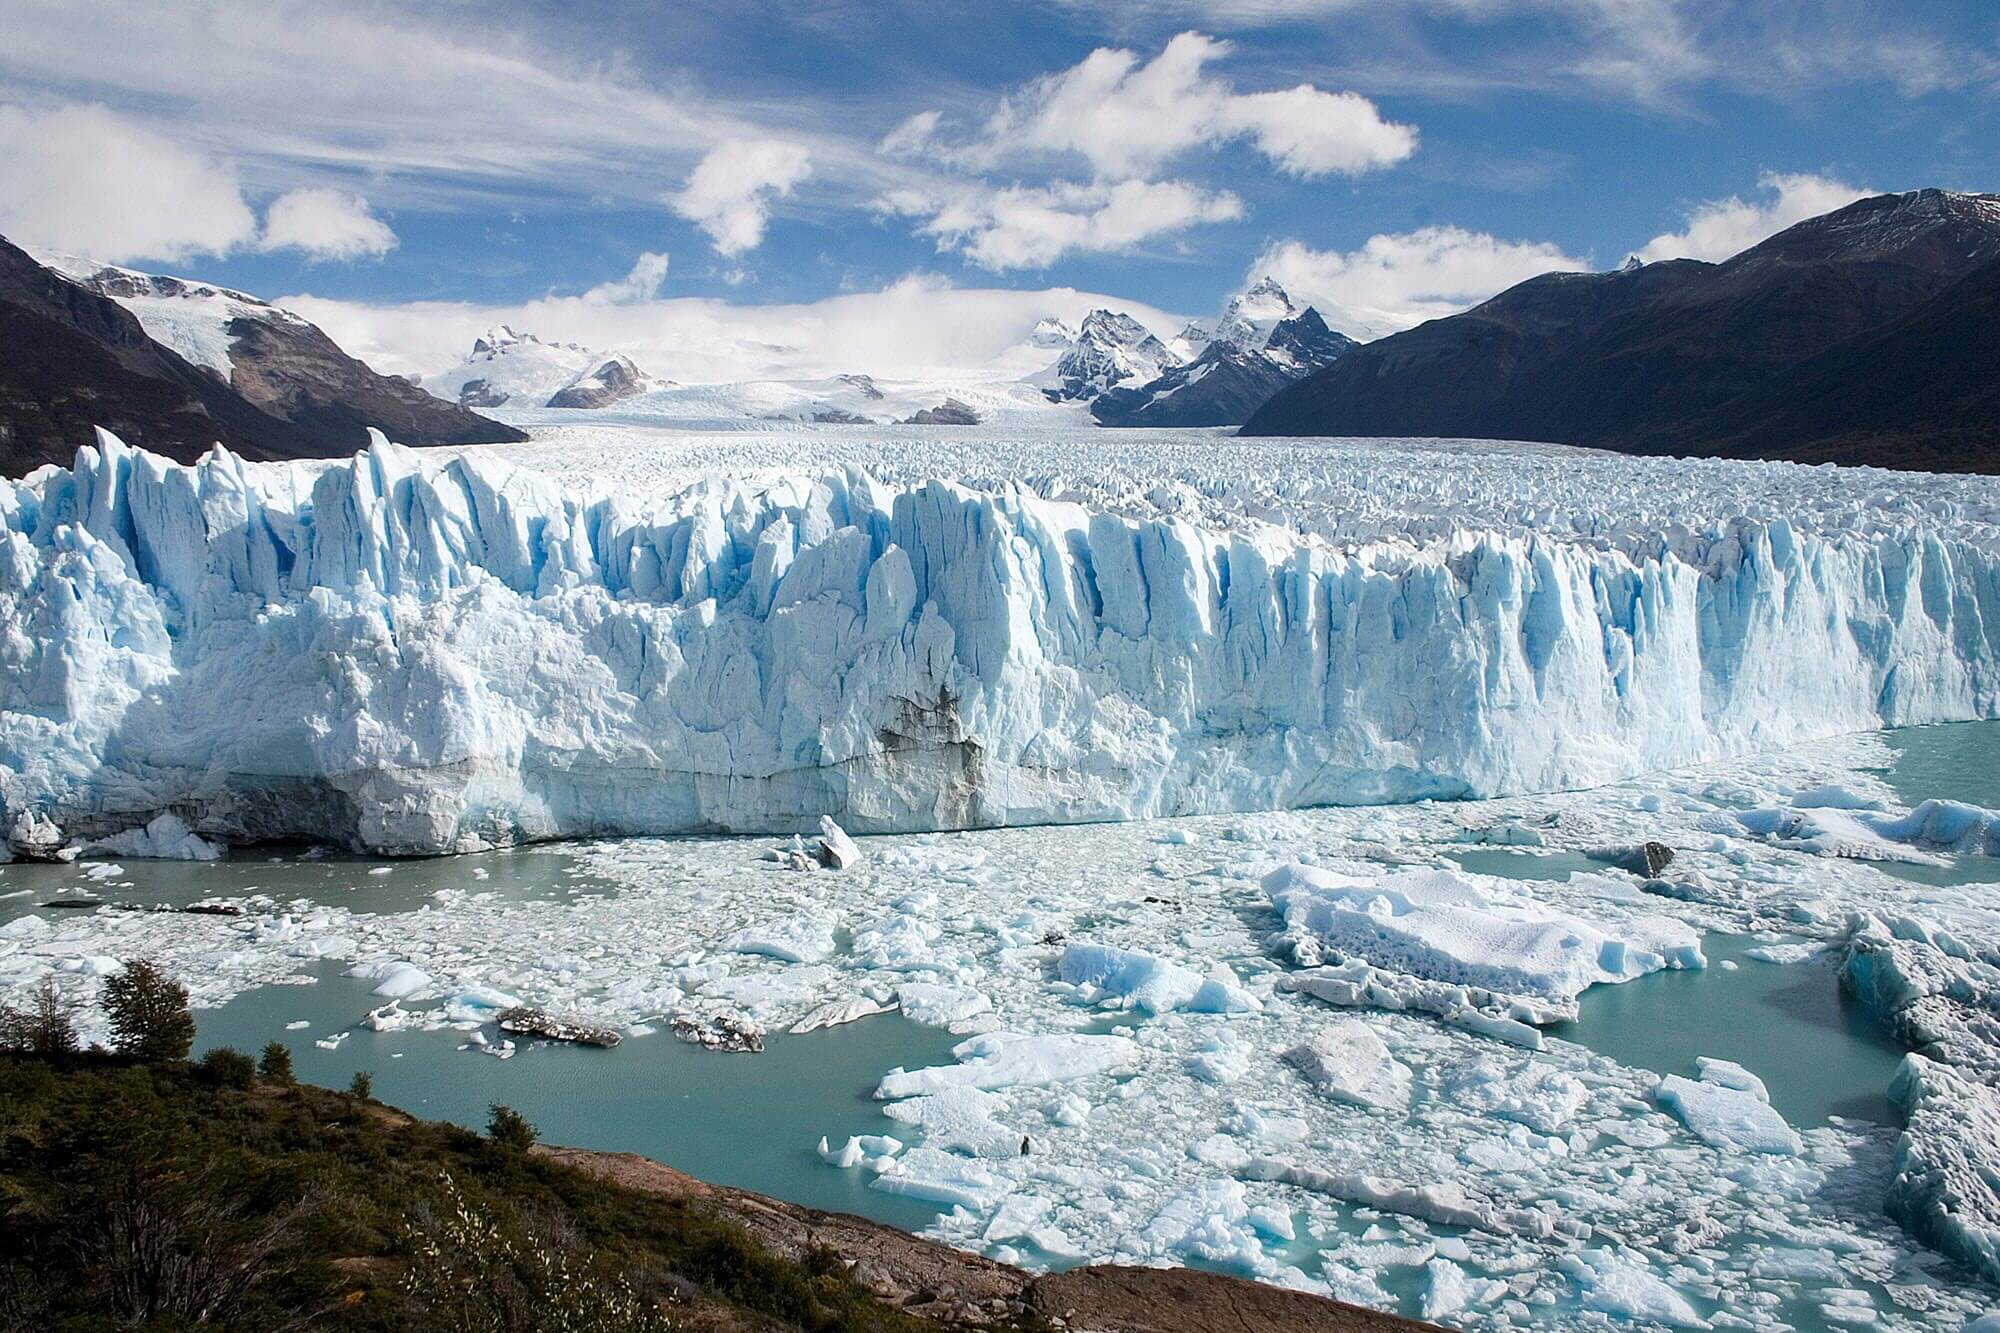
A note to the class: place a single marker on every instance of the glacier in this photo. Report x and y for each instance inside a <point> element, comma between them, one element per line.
<point>420,654</point>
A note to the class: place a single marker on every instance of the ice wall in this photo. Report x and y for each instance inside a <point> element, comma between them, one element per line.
<point>411,656</point>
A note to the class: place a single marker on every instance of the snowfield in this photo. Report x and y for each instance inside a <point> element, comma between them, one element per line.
<point>625,629</point>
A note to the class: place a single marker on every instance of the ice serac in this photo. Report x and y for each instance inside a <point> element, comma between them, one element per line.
<point>414,655</point>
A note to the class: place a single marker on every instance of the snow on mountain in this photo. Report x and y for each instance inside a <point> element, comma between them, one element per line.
<point>407,654</point>
<point>1251,315</point>
<point>1191,341</point>
<point>613,380</point>
<point>1110,349</point>
<point>511,369</point>
<point>850,399</point>
<point>1051,333</point>
<point>192,318</point>
<point>1228,381</point>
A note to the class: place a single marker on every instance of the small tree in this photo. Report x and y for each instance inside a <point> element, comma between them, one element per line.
<point>45,1027</point>
<point>227,1067</point>
<point>510,1129</point>
<point>149,1013</point>
<point>276,1063</point>
<point>362,1085</point>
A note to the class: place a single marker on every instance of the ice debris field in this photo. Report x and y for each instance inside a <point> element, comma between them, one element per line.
<point>1302,1044</point>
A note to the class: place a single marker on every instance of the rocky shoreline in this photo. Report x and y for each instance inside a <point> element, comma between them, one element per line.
<point>938,1283</point>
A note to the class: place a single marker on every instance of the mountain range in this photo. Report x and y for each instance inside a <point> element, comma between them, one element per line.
<point>1202,377</point>
<point>178,367</point>
<point>1860,336</point>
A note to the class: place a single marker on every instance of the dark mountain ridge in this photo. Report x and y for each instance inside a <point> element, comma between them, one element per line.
<point>1696,358</point>
<point>72,358</point>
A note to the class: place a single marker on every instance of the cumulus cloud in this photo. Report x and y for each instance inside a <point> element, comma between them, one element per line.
<point>729,193</point>
<point>919,327</point>
<point>641,284</point>
<point>1723,227</point>
<point>1396,281</point>
<point>325,224</point>
<point>1032,227</point>
<point>86,179</point>
<point>1128,118</point>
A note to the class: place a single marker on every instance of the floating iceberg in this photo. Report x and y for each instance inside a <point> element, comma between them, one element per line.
<point>1728,1108</point>
<point>1468,931</point>
<point>418,654</point>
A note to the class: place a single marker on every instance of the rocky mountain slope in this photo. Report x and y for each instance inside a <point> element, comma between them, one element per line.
<point>1262,343</point>
<point>1110,348</point>
<point>1847,336</point>
<point>181,366</point>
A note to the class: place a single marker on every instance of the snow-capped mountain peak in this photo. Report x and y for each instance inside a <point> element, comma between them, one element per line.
<point>1051,332</point>
<point>511,368</point>
<point>613,380</point>
<point>1189,342</point>
<point>1250,316</point>
<point>193,318</point>
<point>1110,348</point>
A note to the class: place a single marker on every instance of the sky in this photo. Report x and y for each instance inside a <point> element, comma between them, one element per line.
<point>798,188</point>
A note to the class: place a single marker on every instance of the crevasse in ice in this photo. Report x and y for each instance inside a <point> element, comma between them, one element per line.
<point>408,654</point>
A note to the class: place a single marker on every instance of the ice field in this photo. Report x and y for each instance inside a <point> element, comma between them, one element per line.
<point>409,653</point>
<point>1240,1020</point>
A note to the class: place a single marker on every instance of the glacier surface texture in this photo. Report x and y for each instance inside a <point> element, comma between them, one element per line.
<point>411,654</point>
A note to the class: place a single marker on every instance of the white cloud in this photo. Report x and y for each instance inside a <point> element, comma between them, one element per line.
<point>912,136</point>
<point>1312,133</point>
<point>325,224</point>
<point>1394,282</point>
<point>1032,227</point>
<point>728,195</point>
<point>1723,227</point>
<point>88,180</point>
<point>641,284</point>
<point>1128,118</point>
<point>917,328</point>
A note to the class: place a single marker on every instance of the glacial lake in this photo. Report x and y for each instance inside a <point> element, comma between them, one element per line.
<point>753,1121</point>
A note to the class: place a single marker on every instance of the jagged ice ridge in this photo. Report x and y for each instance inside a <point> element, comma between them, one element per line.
<point>418,654</point>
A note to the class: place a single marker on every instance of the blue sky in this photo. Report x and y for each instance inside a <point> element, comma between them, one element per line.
<point>1391,159</point>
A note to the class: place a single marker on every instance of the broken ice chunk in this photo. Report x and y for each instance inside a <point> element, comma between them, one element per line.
<point>1013,1059</point>
<point>836,850</point>
<point>1349,1063</point>
<point>1728,1108</point>
<point>1606,1281</point>
<point>1138,980</point>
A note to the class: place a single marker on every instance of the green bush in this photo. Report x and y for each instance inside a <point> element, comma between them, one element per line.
<point>227,1067</point>
<point>149,1013</point>
<point>362,1084</point>
<point>510,1129</point>
<point>276,1063</point>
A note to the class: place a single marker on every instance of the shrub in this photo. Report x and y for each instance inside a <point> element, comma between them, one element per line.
<point>45,1027</point>
<point>472,1269</point>
<point>149,1013</point>
<point>276,1063</point>
<point>362,1085</point>
<point>227,1067</point>
<point>510,1129</point>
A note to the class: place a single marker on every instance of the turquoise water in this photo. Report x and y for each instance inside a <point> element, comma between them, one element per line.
<point>1818,1052</point>
<point>747,1120</point>
<point>1522,863</point>
<point>529,874</point>
<point>1958,761</point>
